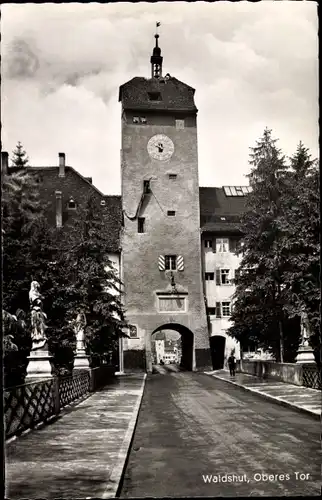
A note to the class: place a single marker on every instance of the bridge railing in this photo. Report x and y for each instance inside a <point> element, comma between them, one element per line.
<point>34,403</point>
<point>304,375</point>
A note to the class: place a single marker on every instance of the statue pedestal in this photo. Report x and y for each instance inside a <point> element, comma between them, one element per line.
<point>39,365</point>
<point>305,355</point>
<point>81,361</point>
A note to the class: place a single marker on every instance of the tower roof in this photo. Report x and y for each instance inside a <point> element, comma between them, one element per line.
<point>166,94</point>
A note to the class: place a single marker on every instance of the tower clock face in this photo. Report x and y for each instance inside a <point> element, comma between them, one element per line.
<point>160,147</point>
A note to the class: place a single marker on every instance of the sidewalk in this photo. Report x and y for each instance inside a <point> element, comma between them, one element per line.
<point>300,398</point>
<point>81,455</point>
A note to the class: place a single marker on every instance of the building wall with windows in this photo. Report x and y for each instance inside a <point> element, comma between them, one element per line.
<point>220,262</point>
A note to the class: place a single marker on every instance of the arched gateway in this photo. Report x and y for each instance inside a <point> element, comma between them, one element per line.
<point>187,346</point>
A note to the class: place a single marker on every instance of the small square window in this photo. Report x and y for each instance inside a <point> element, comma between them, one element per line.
<point>170,262</point>
<point>172,176</point>
<point>136,119</point>
<point>208,243</point>
<point>171,213</point>
<point>154,96</point>
<point>209,276</point>
<point>211,311</point>
<point>226,308</point>
<point>141,224</point>
<point>146,187</point>
<point>143,120</point>
<point>102,202</point>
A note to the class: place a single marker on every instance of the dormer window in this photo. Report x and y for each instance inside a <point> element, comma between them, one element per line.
<point>103,203</point>
<point>71,204</point>
<point>155,96</point>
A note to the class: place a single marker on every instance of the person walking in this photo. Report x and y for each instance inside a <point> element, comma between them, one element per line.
<point>232,364</point>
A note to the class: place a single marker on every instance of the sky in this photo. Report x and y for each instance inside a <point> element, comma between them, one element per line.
<point>253,65</point>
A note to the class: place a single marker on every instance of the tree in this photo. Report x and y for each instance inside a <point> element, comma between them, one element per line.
<point>19,156</point>
<point>23,224</point>
<point>83,281</point>
<point>260,299</point>
<point>299,223</point>
<point>21,215</point>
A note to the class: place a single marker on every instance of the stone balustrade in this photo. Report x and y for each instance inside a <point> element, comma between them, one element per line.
<point>297,374</point>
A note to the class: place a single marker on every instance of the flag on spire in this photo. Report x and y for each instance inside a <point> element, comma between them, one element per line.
<point>158,24</point>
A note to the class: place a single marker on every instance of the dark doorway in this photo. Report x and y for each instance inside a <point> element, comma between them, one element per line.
<point>217,348</point>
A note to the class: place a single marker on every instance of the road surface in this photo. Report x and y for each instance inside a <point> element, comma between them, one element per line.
<point>199,436</point>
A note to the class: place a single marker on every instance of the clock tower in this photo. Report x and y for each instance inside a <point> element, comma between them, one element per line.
<point>161,252</point>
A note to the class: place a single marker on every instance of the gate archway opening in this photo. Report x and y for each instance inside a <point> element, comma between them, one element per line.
<point>217,349</point>
<point>183,342</point>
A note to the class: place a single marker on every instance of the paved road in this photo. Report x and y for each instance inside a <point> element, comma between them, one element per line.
<point>193,428</point>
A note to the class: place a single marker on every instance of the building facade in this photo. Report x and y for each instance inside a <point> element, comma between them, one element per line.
<point>172,242</point>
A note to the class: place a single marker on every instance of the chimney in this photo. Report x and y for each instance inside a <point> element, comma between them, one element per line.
<point>59,209</point>
<point>61,164</point>
<point>4,163</point>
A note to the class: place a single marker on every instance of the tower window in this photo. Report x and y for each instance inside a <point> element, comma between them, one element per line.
<point>172,176</point>
<point>209,276</point>
<point>155,96</point>
<point>170,262</point>
<point>141,225</point>
<point>146,187</point>
<point>171,213</point>
<point>179,124</point>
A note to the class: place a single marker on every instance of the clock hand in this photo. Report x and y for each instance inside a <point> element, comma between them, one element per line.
<point>160,147</point>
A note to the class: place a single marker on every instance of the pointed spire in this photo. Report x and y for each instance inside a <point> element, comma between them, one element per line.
<point>156,58</point>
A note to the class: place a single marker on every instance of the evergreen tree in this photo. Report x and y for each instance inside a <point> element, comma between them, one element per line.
<point>19,156</point>
<point>299,223</point>
<point>23,225</point>
<point>21,215</point>
<point>259,312</point>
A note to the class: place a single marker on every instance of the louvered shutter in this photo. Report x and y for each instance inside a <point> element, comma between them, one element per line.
<point>161,263</point>
<point>232,245</point>
<point>180,263</point>
<point>214,245</point>
<point>218,310</point>
<point>218,277</point>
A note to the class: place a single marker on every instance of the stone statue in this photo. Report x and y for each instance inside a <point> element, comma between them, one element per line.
<point>34,292</point>
<point>38,318</point>
<point>305,328</point>
<point>80,324</point>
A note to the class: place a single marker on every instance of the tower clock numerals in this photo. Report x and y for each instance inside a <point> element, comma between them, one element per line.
<point>160,147</point>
